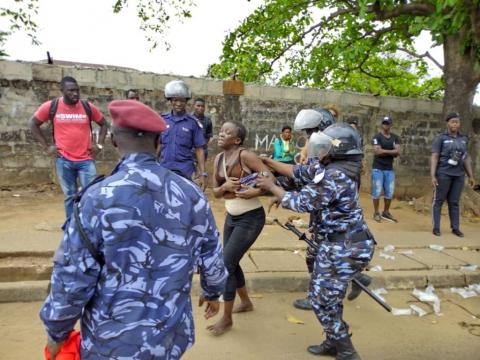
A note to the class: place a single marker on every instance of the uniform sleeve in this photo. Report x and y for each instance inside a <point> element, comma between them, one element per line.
<point>73,282</point>
<point>198,138</point>
<point>306,173</point>
<point>43,111</point>
<point>209,132</point>
<point>437,145</point>
<point>213,273</point>
<point>313,196</point>
<point>96,114</point>
<point>277,149</point>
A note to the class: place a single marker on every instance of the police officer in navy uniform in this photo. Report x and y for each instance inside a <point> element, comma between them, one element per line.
<point>449,163</point>
<point>346,245</point>
<point>183,134</point>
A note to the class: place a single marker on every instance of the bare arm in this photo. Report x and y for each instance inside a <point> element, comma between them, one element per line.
<point>37,133</point>
<point>468,169</point>
<point>377,149</point>
<point>227,187</point>
<point>255,164</point>
<point>433,168</point>
<point>103,131</point>
<point>279,167</point>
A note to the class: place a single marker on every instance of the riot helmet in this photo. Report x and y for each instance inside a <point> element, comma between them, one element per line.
<point>177,89</point>
<point>338,141</point>
<point>312,119</point>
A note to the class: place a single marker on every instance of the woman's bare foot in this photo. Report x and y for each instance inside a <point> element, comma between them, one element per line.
<point>243,307</point>
<point>221,326</point>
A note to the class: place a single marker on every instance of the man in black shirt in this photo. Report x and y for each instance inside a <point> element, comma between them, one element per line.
<point>386,146</point>
<point>204,122</point>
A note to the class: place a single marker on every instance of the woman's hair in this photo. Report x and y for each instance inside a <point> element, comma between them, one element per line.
<point>334,108</point>
<point>286,127</point>
<point>241,131</point>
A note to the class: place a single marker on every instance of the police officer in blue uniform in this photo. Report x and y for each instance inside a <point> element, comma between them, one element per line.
<point>346,245</point>
<point>183,137</point>
<point>148,228</point>
<point>449,163</point>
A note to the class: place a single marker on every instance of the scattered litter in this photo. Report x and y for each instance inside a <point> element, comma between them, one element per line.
<point>428,296</point>
<point>465,248</point>
<point>386,256</point>
<point>357,307</point>
<point>16,195</point>
<point>436,247</point>
<point>406,252</point>
<point>464,292</point>
<point>401,312</point>
<point>469,268</point>
<point>379,292</point>
<point>475,287</point>
<point>296,252</point>
<point>300,224</point>
<point>418,310</point>
<point>294,320</point>
<point>388,248</point>
<point>376,268</point>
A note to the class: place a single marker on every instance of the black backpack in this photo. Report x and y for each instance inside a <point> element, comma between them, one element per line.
<point>53,111</point>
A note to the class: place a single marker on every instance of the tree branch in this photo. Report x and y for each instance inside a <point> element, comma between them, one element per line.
<point>421,56</point>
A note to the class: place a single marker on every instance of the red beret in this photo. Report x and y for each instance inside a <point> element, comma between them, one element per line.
<point>135,115</point>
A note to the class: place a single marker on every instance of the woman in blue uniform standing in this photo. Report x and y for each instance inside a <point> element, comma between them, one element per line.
<point>449,163</point>
<point>346,245</point>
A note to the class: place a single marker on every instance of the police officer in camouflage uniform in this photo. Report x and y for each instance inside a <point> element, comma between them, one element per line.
<point>346,245</point>
<point>149,228</point>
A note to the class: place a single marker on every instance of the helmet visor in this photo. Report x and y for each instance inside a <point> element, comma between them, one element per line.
<point>319,145</point>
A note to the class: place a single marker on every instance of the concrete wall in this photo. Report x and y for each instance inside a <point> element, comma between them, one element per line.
<point>263,109</point>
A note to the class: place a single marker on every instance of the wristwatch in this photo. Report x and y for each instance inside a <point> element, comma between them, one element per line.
<point>204,174</point>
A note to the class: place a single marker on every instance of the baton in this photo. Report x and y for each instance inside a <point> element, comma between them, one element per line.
<point>302,236</point>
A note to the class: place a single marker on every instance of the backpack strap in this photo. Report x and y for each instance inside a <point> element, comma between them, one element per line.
<point>88,111</point>
<point>51,115</point>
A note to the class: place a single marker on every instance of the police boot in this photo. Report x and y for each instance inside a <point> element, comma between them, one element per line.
<point>326,348</point>
<point>345,350</point>
<point>356,290</point>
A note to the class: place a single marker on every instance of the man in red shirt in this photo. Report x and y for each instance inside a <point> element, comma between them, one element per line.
<point>72,145</point>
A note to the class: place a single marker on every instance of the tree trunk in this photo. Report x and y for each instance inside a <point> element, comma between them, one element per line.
<point>461,80</point>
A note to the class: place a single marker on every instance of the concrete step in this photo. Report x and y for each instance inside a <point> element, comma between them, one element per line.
<point>22,291</point>
<point>25,268</point>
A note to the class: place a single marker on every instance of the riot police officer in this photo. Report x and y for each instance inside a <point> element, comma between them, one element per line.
<point>330,194</point>
<point>449,163</point>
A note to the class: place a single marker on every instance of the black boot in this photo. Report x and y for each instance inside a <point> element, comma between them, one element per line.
<point>345,350</point>
<point>302,304</point>
<point>325,348</point>
<point>356,290</point>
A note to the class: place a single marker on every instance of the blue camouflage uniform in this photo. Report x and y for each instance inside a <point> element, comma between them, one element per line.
<point>152,228</point>
<point>347,247</point>
<point>181,137</point>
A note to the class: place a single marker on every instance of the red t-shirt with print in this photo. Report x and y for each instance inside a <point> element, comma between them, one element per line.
<point>71,128</point>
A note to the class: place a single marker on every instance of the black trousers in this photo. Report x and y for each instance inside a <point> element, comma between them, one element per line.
<point>239,234</point>
<point>449,188</point>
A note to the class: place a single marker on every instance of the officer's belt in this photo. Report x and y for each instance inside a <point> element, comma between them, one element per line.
<point>352,237</point>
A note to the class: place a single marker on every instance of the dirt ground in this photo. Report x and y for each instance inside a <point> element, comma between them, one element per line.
<point>266,333</point>
<point>36,213</point>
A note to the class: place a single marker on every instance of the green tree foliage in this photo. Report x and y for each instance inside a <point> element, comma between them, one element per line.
<point>17,15</point>
<point>155,16</point>
<point>364,46</point>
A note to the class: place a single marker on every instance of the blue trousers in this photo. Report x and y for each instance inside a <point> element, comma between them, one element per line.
<point>335,265</point>
<point>68,172</point>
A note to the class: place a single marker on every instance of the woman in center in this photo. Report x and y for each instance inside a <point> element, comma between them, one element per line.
<point>235,171</point>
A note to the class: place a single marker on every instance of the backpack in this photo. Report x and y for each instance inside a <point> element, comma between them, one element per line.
<point>53,111</point>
